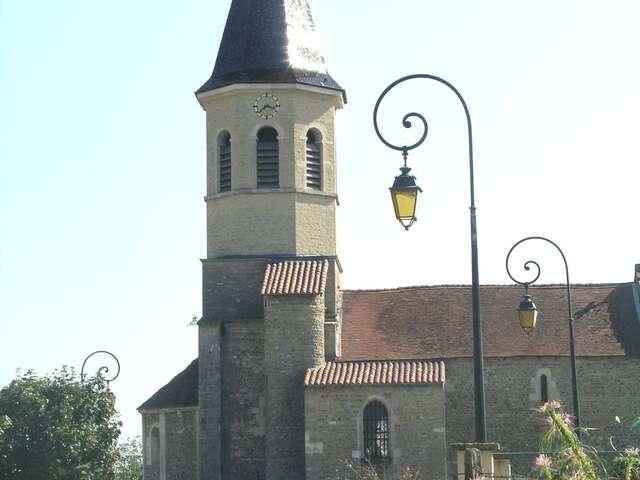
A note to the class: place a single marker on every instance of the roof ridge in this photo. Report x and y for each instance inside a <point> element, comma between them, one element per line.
<point>427,359</point>
<point>487,285</point>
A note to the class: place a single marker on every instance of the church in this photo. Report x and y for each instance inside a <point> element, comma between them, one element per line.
<point>297,377</point>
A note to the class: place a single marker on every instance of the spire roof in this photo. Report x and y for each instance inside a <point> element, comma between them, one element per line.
<point>270,41</point>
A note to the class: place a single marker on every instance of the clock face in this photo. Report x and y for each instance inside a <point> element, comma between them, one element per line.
<point>266,106</point>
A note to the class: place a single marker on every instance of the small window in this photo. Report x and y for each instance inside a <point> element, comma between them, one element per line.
<point>376,431</point>
<point>224,162</point>
<point>153,445</point>
<point>268,159</point>
<point>544,389</point>
<point>314,160</point>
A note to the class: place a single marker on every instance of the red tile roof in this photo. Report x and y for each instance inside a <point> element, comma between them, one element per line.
<point>435,322</point>
<point>298,277</point>
<point>410,372</point>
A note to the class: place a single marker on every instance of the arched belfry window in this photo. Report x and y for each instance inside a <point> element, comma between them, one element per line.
<point>544,389</point>
<point>314,160</point>
<point>224,162</point>
<point>376,431</point>
<point>268,158</point>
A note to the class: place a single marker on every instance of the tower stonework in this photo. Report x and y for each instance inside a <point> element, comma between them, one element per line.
<point>271,204</point>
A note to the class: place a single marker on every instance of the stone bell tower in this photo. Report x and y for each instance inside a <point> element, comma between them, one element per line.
<point>271,276</point>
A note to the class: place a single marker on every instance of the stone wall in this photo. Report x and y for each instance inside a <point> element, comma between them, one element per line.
<point>608,386</point>
<point>294,342</point>
<point>209,400</point>
<point>334,432</point>
<point>292,219</point>
<point>243,400</point>
<point>231,288</point>
<point>176,456</point>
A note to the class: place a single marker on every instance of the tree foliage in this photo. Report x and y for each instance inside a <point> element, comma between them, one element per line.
<point>57,428</point>
<point>129,461</point>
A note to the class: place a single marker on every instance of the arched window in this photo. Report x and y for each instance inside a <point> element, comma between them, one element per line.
<point>544,389</point>
<point>224,162</point>
<point>268,164</point>
<point>376,431</point>
<point>153,447</point>
<point>314,160</point>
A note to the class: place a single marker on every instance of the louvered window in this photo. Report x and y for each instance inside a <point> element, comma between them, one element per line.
<point>376,431</point>
<point>314,160</point>
<point>224,162</point>
<point>268,159</point>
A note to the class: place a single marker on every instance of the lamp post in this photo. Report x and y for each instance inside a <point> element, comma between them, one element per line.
<point>527,315</point>
<point>404,194</point>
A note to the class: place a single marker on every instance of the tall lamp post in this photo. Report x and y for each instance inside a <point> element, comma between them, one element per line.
<point>404,194</point>
<point>527,314</point>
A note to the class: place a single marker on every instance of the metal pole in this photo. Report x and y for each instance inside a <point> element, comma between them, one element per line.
<point>478,365</point>
<point>572,342</point>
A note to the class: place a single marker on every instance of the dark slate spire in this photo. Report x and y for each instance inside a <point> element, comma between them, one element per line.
<point>270,41</point>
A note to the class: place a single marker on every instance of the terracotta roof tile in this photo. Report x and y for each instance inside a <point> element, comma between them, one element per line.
<point>409,372</point>
<point>435,322</point>
<point>297,277</point>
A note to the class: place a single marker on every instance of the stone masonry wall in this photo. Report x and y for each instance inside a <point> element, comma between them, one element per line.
<point>181,445</point>
<point>334,431</point>
<point>608,386</point>
<point>176,458</point>
<point>251,221</point>
<point>209,400</point>
<point>231,288</point>
<point>151,460</point>
<point>243,401</point>
<point>294,342</point>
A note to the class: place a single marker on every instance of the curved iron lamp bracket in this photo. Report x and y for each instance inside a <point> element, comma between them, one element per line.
<point>103,369</point>
<point>406,123</point>
<point>532,263</point>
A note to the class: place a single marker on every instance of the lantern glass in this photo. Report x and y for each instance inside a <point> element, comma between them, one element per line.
<point>404,193</point>
<point>404,203</point>
<point>527,314</point>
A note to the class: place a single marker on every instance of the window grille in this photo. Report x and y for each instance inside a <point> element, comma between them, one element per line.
<point>376,431</point>
<point>224,162</point>
<point>314,160</point>
<point>544,389</point>
<point>268,161</point>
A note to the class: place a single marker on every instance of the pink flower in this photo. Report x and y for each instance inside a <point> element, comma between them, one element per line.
<point>543,461</point>
<point>567,419</point>
<point>551,406</point>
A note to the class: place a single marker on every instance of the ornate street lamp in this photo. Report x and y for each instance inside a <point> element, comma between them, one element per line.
<point>527,313</point>
<point>404,194</point>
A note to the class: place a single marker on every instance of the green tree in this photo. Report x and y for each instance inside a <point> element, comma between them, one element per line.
<point>129,461</point>
<point>57,428</point>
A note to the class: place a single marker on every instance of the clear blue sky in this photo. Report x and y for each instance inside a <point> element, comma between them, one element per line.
<point>102,156</point>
